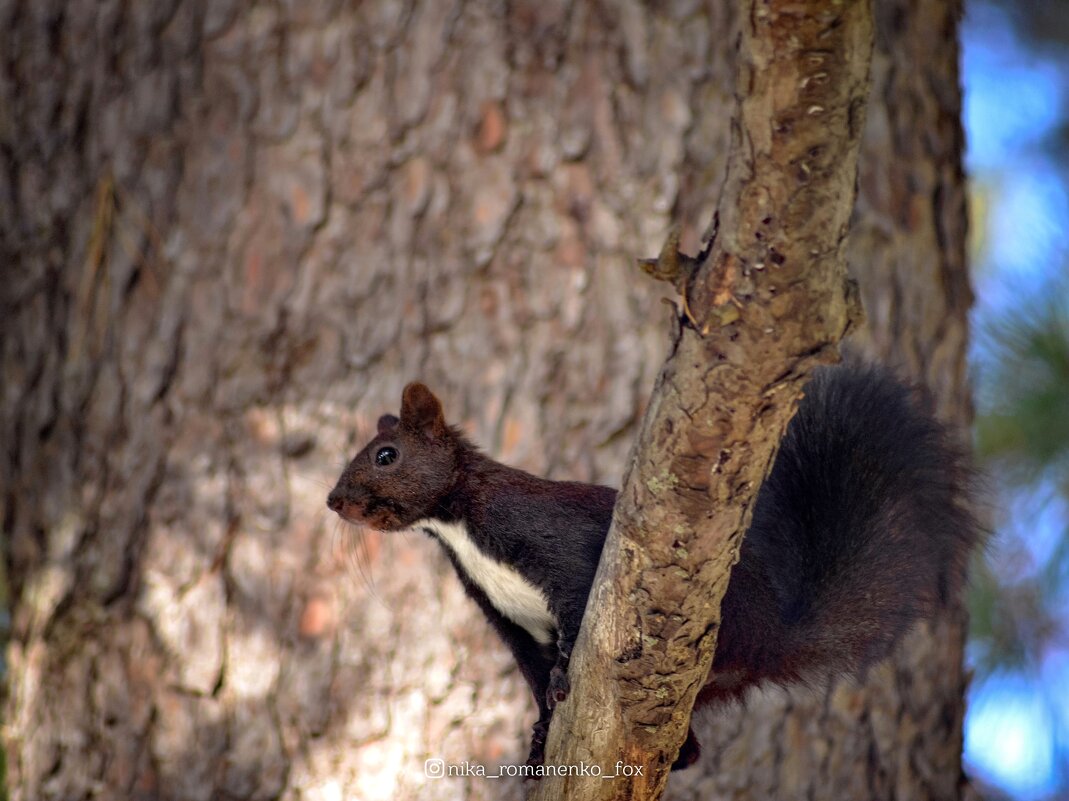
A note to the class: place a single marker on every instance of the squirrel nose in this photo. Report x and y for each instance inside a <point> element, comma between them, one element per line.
<point>335,501</point>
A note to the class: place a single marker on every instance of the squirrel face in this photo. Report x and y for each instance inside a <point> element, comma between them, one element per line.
<point>403,474</point>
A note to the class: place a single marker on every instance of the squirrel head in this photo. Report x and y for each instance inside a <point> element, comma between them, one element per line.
<point>404,473</point>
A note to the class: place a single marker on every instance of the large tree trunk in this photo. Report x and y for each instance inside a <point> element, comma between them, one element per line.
<point>232,233</point>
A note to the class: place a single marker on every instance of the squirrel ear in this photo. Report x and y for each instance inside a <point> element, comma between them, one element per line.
<point>387,422</point>
<point>421,411</point>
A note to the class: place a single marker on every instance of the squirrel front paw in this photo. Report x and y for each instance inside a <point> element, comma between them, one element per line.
<point>559,686</point>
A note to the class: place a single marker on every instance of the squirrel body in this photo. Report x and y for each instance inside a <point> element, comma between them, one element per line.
<point>862,528</point>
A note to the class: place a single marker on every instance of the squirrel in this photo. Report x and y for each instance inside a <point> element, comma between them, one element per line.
<point>862,528</point>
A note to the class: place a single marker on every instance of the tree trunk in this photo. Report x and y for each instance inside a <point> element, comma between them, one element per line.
<point>235,231</point>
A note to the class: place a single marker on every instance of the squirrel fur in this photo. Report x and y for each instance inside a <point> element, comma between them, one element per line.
<point>862,528</point>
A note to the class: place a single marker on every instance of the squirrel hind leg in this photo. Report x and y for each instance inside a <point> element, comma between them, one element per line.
<point>689,752</point>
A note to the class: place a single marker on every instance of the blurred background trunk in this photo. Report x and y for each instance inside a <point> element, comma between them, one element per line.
<point>231,233</point>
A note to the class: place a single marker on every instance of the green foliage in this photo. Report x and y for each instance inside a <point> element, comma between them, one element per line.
<point>1027,425</point>
<point>1022,437</point>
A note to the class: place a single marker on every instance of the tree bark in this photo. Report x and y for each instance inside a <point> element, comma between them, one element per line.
<point>231,233</point>
<point>768,303</point>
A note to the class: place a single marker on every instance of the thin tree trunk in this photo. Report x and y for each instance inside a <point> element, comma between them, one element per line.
<point>768,303</point>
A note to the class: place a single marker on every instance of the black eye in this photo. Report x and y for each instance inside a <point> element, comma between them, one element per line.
<point>386,456</point>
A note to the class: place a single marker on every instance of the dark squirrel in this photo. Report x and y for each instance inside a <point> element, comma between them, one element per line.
<point>862,528</point>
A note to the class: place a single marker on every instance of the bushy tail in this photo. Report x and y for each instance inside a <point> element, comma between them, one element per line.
<point>863,527</point>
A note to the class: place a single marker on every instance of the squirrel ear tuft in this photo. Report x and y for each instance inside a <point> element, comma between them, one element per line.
<point>388,422</point>
<point>422,411</point>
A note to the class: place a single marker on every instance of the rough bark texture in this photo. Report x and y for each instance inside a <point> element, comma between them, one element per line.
<point>767,305</point>
<point>231,232</point>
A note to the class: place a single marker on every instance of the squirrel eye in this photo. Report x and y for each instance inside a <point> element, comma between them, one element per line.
<point>386,456</point>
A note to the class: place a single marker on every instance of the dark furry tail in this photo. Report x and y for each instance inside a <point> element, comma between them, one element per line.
<point>863,527</point>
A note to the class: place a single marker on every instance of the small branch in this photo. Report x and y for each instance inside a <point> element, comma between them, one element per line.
<point>765,304</point>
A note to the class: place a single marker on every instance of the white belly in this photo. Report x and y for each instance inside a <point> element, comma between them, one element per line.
<point>511,594</point>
